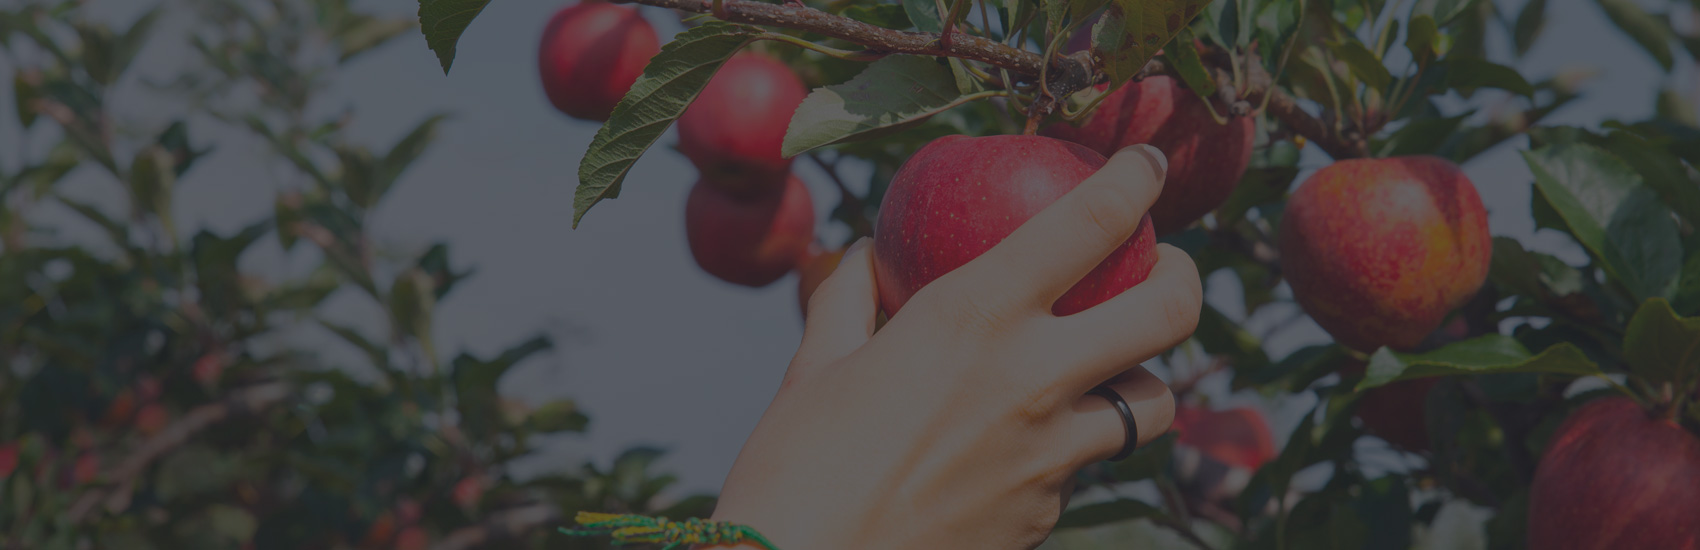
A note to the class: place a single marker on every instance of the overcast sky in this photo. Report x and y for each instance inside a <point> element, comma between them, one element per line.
<point>656,351</point>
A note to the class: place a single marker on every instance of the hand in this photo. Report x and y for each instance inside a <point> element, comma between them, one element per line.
<point>961,423</point>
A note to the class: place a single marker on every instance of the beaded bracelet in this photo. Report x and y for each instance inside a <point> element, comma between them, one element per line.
<point>634,529</point>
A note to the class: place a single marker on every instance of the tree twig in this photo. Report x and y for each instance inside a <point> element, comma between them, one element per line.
<point>1067,74</point>
<point>121,480</point>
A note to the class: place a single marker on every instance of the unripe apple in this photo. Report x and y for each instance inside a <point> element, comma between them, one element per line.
<point>1614,476</point>
<point>1237,437</point>
<point>733,131</point>
<point>812,273</point>
<point>751,241</point>
<point>959,196</point>
<point>1379,251</point>
<point>1206,159</point>
<point>591,54</point>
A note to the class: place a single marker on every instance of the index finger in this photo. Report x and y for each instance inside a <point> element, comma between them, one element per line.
<point>1046,256</point>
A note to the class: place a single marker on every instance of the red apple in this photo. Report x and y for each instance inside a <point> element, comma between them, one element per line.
<point>8,458</point>
<point>1614,477</point>
<point>151,419</point>
<point>812,273</point>
<point>1206,159</point>
<point>1398,413</point>
<point>958,196</point>
<point>591,53</point>
<point>1379,251</point>
<point>1236,437</point>
<point>733,130</point>
<point>412,538</point>
<point>751,241</point>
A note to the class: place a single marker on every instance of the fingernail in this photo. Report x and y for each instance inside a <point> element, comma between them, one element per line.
<point>858,245</point>
<point>1153,154</point>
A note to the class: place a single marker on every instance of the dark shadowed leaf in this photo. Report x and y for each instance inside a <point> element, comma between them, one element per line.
<point>924,14</point>
<point>1469,73</point>
<point>1132,31</point>
<point>891,94</point>
<point>1530,20</point>
<point>443,21</point>
<point>672,79</point>
<point>1103,513</point>
<point>1585,188</point>
<point>891,16</point>
<point>558,416</point>
<point>1645,29</point>
<point>1184,54</point>
<point>1659,170</point>
<point>1663,347</point>
<point>1491,354</point>
<point>1364,64</point>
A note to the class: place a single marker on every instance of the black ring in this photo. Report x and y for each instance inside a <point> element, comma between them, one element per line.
<point>1127,420</point>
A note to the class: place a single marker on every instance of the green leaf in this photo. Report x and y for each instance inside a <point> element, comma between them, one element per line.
<point>1491,354</point>
<point>403,155</point>
<point>1645,29</point>
<point>1132,31</point>
<point>1643,230</point>
<point>891,16</point>
<point>1585,186</point>
<point>1228,25</point>
<point>378,355</point>
<point>1364,64</point>
<point>1468,73</point>
<point>1422,37</point>
<point>672,79</point>
<point>891,94</point>
<point>1418,136</point>
<point>412,299</point>
<point>1443,11</point>
<point>1258,187</point>
<point>1659,170</point>
<point>1184,54</point>
<point>153,173</point>
<point>558,416</point>
<point>1220,336</point>
<point>1519,271</point>
<point>1530,20</point>
<point>1148,461</point>
<point>25,95</point>
<point>1661,346</point>
<point>1102,513</point>
<point>443,21</point>
<point>1687,298</point>
<point>924,14</point>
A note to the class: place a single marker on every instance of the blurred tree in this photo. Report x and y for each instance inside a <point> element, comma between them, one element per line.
<point>153,391</point>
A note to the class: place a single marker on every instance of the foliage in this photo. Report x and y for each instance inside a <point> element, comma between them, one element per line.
<point>155,393</point>
<point>1368,78</point>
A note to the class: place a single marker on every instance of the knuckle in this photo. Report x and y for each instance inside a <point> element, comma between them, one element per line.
<point>973,314</point>
<point>1112,212</point>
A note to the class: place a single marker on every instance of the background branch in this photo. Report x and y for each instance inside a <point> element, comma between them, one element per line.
<point>1068,73</point>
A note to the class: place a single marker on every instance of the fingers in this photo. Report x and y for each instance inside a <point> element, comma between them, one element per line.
<point>1097,428</point>
<point>1131,328</point>
<point>841,311</point>
<point>1051,252</point>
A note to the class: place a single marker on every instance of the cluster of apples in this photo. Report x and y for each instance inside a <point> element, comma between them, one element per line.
<point>1378,252</point>
<point>748,219</point>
